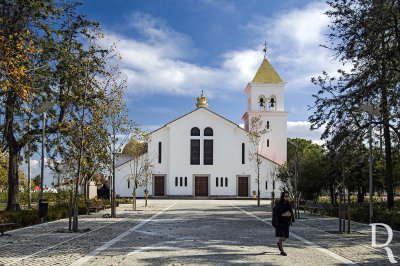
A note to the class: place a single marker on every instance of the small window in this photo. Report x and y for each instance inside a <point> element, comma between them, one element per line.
<point>267,124</point>
<point>129,183</point>
<point>216,181</point>
<point>195,131</point>
<point>243,153</point>
<point>181,181</point>
<point>267,142</point>
<point>176,181</point>
<point>185,181</point>
<point>266,185</point>
<point>226,181</point>
<point>208,131</point>
<point>273,185</point>
<point>222,181</point>
<point>159,152</point>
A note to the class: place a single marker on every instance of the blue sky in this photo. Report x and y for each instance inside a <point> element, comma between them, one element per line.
<point>173,49</point>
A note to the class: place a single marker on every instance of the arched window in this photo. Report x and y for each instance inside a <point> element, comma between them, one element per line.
<point>181,181</point>
<point>185,181</point>
<point>226,181</point>
<point>222,181</point>
<point>208,131</point>
<point>176,181</point>
<point>195,131</point>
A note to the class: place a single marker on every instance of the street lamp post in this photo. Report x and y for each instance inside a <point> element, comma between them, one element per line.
<point>371,112</point>
<point>39,110</point>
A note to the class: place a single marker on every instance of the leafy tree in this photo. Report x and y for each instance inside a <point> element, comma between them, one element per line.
<point>35,69</point>
<point>310,166</point>
<point>118,122</point>
<point>364,34</point>
<point>312,172</point>
<point>49,53</point>
<point>256,132</point>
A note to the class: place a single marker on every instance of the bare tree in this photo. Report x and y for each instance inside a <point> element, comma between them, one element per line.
<point>140,162</point>
<point>256,131</point>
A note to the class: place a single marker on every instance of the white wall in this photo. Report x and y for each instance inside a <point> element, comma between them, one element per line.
<point>227,161</point>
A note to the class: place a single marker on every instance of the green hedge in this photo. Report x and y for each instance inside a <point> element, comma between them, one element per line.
<point>360,213</point>
<point>25,218</point>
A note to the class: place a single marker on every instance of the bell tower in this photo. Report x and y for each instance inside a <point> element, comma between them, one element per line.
<point>265,98</point>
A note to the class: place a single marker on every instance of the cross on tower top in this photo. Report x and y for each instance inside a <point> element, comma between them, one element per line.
<point>265,49</point>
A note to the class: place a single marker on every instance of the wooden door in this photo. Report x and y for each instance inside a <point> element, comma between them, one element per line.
<point>201,186</point>
<point>243,186</point>
<point>159,186</point>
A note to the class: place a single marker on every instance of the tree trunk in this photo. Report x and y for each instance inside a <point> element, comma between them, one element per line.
<point>13,153</point>
<point>29,179</point>
<point>340,211</point>
<point>85,190</point>
<point>388,149</point>
<point>389,167</point>
<point>134,199</point>
<point>75,221</point>
<point>332,193</point>
<point>12,204</point>
<point>70,208</point>
<point>258,188</point>
<point>348,213</point>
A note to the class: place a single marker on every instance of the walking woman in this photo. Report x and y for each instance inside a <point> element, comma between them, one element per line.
<point>284,218</point>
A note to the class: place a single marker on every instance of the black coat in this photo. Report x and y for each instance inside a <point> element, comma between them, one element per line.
<point>284,221</point>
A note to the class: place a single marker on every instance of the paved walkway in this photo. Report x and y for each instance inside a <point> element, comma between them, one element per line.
<point>192,232</point>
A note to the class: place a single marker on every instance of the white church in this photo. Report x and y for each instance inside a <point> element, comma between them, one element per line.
<point>202,154</point>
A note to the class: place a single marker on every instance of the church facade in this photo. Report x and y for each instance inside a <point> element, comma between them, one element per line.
<point>202,154</point>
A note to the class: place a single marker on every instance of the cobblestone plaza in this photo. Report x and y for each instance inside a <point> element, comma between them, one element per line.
<point>193,232</point>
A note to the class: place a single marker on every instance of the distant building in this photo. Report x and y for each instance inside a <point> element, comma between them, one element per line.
<point>203,154</point>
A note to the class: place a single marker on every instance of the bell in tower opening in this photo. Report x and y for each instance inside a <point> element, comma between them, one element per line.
<point>261,102</point>
<point>272,104</point>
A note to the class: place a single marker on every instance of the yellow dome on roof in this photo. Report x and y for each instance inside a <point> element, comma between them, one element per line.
<point>202,101</point>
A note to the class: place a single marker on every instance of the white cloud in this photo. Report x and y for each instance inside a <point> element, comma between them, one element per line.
<point>34,163</point>
<point>157,62</point>
<point>301,129</point>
